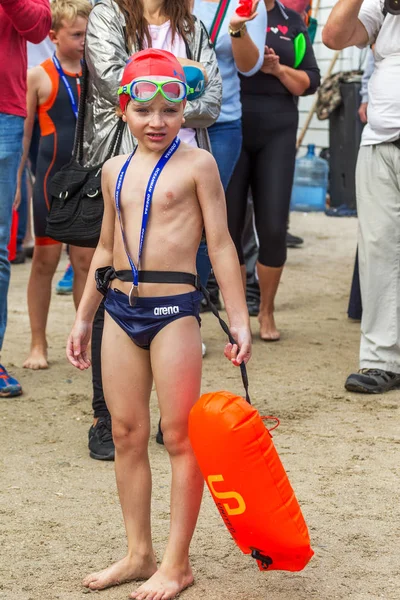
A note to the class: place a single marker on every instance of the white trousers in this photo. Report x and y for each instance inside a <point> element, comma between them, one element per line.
<point>378,206</point>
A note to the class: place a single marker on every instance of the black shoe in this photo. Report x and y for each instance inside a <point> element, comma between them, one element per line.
<point>159,436</point>
<point>293,241</point>
<point>372,381</point>
<point>253,306</point>
<point>19,258</point>
<point>28,251</point>
<point>101,444</point>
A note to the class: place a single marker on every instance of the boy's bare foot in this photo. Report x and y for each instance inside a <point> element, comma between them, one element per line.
<point>268,330</point>
<point>127,569</point>
<point>37,359</point>
<point>165,584</point>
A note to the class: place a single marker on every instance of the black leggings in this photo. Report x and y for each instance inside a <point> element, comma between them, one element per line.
<point>266,165</point>
<point>98,403</point>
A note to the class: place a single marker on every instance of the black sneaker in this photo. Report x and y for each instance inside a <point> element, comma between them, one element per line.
<point>101,444</point>
<point>253,306</point>
<point>19,258</point>
<point>293,241</point>
<point>159,436</point>
<point>372,381</point>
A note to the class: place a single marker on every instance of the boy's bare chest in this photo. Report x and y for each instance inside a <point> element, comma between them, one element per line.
<point>172,195</point>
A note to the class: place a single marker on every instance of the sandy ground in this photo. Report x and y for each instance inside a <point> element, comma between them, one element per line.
<point>59,510</point>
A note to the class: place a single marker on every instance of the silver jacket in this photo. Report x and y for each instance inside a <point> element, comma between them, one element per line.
<point>106,54</point>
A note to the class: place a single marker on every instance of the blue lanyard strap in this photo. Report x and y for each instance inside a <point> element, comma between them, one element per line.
<point>65,81</point>
<point>172,148</point>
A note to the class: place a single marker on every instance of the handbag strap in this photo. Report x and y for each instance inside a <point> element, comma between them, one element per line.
<point>218,20</point>
<point>77,152</point>
<point>116,141</point>
<point>225,328</point>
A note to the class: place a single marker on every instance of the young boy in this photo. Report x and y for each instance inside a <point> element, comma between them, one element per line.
<point>53,94</point>
<point>151,329</point>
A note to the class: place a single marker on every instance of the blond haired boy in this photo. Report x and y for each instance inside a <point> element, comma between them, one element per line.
<point>53,95</point>
<point>156,203</point>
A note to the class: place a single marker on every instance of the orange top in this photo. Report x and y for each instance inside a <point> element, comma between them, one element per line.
<point>47,125</point>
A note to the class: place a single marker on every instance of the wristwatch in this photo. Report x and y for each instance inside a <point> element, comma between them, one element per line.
<point>237,33</point>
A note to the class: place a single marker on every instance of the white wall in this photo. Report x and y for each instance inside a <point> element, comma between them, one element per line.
<point>350,58</point>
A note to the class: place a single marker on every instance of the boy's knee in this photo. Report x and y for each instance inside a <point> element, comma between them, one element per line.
<point>128,436</point>
<point>176,439</point>
<point>81,266</point>
<point>45,266</point>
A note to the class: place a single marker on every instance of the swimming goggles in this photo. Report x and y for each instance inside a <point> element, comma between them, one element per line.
<point>144,90</point>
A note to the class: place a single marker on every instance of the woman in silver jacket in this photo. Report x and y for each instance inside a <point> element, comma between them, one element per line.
<point>116,30</point>
<point>108,48</point>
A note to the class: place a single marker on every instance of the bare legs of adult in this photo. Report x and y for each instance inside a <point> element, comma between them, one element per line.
<point>269,278</point>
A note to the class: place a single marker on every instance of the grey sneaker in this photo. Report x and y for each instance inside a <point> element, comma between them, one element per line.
<point>372,381</point>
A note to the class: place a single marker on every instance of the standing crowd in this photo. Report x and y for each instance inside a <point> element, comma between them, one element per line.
<point>192,105</point>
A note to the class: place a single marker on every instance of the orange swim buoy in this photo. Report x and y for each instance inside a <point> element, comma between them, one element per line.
<point>248,482</point>
<point>246,478</point>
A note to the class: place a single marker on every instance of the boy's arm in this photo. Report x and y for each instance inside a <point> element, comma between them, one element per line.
<point>80,335</point>
<point>32,104</point>
<point>31,18</point>
<point>222,253</point>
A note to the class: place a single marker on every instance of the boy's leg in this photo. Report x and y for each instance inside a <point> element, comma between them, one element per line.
<point>127,385</point>
<point>176,364</point>
<point>44,264</point>
<point>80,260</point>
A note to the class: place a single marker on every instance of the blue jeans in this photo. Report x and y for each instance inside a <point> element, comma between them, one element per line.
<point>11,133</point>
<point>226,143</point>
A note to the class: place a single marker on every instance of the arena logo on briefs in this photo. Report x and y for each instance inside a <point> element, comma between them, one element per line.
<point>166,310</point>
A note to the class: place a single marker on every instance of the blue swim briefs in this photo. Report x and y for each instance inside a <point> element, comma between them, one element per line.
<point>143,321</point>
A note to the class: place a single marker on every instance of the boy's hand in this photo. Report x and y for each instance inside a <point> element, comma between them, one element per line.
<point>78,343</point>
<point>240,352</point>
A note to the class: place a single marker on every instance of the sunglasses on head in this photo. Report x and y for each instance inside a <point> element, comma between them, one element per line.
<point>144,90</point>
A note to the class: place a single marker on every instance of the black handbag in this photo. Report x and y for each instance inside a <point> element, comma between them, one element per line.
<point>76,200</point>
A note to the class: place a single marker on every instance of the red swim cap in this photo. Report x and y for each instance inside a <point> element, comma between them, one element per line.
<point>147,63</point>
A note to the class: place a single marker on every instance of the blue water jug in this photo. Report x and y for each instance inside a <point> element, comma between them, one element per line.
<point>310,183</point>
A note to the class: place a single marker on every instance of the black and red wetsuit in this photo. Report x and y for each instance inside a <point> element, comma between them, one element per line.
<point>57,127</point>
